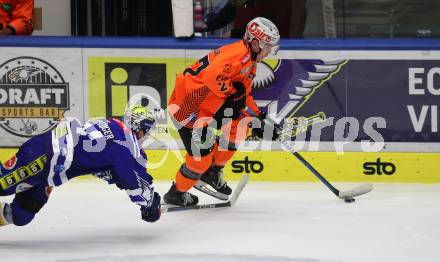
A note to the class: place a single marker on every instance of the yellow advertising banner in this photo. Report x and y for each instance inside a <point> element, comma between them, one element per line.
<point>113,81</point>
<point>280,166</point>
<point>20,112</point>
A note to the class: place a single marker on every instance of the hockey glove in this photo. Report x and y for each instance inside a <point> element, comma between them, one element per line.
<point>152,213</point>
<point>267,124</point>
<point>236,101</point>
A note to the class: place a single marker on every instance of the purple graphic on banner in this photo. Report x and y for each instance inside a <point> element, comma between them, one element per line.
<point>403,92</point>
<point>300,78</point>
<point>296,83</point>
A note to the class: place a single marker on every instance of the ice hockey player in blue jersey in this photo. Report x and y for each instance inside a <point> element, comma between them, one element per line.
<point>107,148</point>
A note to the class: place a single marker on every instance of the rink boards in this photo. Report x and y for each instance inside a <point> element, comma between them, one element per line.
<point>279,166</point>
<point>385,91</point>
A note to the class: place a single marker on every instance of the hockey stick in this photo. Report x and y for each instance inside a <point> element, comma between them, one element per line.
<point>345,195</point>
<point>243,181</point>
<point>357,191</point>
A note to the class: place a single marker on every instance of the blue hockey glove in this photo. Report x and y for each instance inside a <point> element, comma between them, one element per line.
<point>152,213</point>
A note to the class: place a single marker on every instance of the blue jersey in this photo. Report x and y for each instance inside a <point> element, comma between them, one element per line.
<point>106,148</point>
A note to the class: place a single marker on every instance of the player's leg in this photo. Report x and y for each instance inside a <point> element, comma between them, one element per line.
<point>233,133</point>
<point>28,167</point>
<point>190,172</point>
<point>25,175</point>
<point>214,175</point>
<point>26,205</point>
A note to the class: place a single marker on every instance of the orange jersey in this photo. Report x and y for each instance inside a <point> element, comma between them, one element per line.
<point>17,15</point>
<point>202,88</point>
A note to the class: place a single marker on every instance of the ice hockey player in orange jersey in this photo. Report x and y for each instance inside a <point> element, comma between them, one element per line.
<point>209,95</point>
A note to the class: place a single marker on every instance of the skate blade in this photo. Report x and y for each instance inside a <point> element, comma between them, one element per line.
<point>205,188</point>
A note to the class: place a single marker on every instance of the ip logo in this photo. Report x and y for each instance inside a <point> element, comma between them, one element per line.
<point>124,81</point>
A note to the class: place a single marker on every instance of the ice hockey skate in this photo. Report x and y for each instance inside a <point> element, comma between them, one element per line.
<point>213,178</point>
<point>175,197</point>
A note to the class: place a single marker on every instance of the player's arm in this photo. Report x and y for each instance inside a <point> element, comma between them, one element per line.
<point>261,116</point>
<point>22,18</point>
<point>138,184</point>
<point>250,103</point>
<point>251,106</point>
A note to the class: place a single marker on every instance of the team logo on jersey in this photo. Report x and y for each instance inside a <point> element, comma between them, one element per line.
<point>33,96</point>
<point>246,58</point>
<point>245,70</point>
<point>104,175</point>
<point>10,163</point>
<point>227,69</point>
<point>303,78</point>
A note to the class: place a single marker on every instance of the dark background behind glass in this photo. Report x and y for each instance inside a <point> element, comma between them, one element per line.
<point>377,18</point>
<point>352,18</point>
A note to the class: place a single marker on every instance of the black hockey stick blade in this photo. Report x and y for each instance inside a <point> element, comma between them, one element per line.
<point>203,187</point>
<point>357,191</point>
<point>237,192</point>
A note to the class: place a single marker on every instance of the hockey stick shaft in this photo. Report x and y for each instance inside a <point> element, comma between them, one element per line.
<point>363,189</point>
<point>360,190</point>
<point>316,173</point>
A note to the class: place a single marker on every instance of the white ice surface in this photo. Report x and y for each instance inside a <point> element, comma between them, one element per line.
<point>91,221</point>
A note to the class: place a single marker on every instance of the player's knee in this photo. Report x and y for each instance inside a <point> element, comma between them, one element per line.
<point>25,206</point>
<point>23,221</point>
<point>20,216</point>
<point>31,200</point>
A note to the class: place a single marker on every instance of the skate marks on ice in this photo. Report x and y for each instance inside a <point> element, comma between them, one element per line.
<point>272,222</point>
<point>196,258</point>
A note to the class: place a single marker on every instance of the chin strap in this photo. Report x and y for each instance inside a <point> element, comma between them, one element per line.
<point>140,139</point>
<point>253,54</point>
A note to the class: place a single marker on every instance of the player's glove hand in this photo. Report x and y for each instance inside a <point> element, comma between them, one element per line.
<point>266,124</point>
<point>153,212</point>
<point>236,101</point>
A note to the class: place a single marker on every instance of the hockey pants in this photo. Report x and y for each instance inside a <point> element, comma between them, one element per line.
<point>216,151</point>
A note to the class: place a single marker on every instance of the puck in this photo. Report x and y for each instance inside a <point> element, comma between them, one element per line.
<point>349,200</point>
